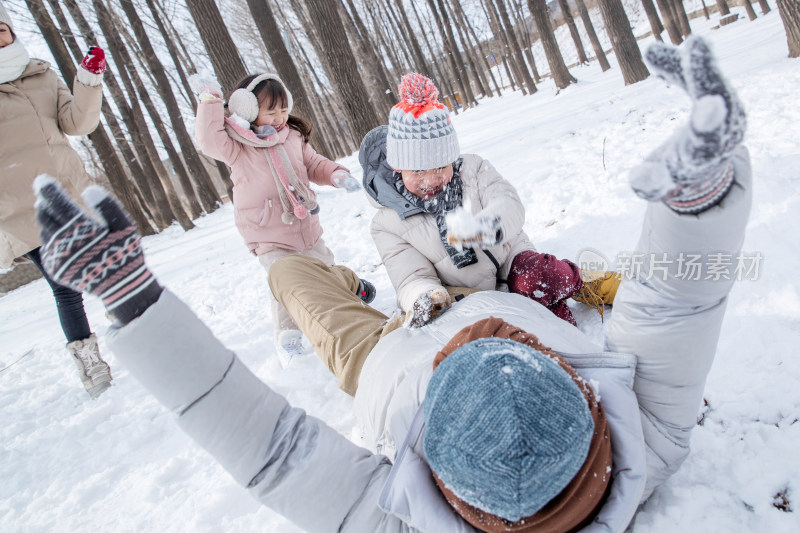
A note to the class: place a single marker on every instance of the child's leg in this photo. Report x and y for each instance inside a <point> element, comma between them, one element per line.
<point>280,317</point>
<point>545,279</point>
<point>322,300</point>
<point>281,321</point>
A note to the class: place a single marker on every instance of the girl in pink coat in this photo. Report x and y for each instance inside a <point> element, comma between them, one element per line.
<point>272,165</point>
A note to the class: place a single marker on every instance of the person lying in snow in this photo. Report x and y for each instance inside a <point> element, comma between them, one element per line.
<point>447,219</point>
<point>499,415</point>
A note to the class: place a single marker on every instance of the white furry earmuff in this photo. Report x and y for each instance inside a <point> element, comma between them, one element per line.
<point>245,104</point>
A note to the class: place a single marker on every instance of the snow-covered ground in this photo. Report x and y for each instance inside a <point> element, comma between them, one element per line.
<point>119,463</point>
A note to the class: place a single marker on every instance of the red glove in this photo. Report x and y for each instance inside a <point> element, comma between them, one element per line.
<point>95,60</point>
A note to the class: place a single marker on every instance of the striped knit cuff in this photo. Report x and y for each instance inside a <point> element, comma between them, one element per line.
<point>694,198</point>
<point>136,300</point>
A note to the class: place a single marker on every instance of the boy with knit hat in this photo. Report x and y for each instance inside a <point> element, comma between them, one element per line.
<point>499,415</point>
<point>449,223</point>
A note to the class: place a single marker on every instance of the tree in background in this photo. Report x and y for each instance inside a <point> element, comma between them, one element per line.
<point>623,41</point>
<point>558,69</point>
<point>790,15</point>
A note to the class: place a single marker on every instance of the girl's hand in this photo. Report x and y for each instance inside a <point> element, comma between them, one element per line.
<point>205,86</point>
<point>344,180</point>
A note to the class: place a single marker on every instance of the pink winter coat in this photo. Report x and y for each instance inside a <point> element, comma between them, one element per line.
<point>256,200</point>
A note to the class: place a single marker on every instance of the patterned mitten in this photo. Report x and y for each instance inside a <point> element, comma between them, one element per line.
<point>427,307</point>
<point>102,257</point>
<point>692,171</point>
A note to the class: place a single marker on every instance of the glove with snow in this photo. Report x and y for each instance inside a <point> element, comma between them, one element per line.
<point>344,180</point>
<point>92,67</point>
<point>427,307</point>
<point>692,171</point>
<point>205,86</point>
<point>99,256</point>
<point>465,230</point>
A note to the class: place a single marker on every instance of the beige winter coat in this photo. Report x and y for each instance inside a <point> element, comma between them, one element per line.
<point>37,111</point>
<point>415,257</point>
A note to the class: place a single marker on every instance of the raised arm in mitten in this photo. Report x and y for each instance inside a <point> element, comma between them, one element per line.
<point>99,255</point>
<point>692,171</point>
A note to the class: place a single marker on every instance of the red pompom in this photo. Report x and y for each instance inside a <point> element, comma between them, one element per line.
<point>418,94</point>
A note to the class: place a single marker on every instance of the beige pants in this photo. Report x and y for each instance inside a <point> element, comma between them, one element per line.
<point>280,318</point>
<point>322,300</point>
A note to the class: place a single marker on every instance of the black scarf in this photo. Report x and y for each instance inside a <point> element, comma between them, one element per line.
<point>438,206</point>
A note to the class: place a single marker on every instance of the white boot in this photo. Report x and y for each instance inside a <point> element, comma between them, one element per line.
<point>93,371</point>
<point>290,346</point>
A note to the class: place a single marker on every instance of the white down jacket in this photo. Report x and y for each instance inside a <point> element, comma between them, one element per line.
<point>277,452</point>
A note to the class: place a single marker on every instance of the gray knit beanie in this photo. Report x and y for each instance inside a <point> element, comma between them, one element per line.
<point>506,429</point>
<point>420,135</point>
<point>5,18</point>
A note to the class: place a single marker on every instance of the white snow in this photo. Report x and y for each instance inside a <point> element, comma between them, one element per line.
<point>119,463</point>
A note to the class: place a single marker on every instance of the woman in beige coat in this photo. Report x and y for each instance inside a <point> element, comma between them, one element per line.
<point>37,112</point>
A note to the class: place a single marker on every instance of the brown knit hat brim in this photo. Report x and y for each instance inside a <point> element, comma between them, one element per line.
<point>581,499</point>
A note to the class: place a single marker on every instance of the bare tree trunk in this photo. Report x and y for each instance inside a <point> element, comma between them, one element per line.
<point>224,56</point>
<point>683,18</point>
<point>516,48</point>
<point>370,71</point>
<point>764,6</point>
<point>477,49</point>
<point>137,126</point>
<point>652,17</point>
<point>271,34</point>
<point>573,31</point>
<point>624,42</point>
<point>344,74</point>
<point>668,14</point>
<point>748,7</point>
<point>384,86</point>
<point>596,46</point>
<point>524,36</point>
<point>204,186</point>
<point>705,9</point>
<point>436,68</point>
<point>790,15</point>
<point>222,169</point>
<point>469,50</point>
<point>150,204</point>
<point>136,90</point>
<point>453,54</point>
<point>558,69</point>
<point>722,7</point>
<point>115,172</point>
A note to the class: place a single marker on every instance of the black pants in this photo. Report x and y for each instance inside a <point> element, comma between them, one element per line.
<point>69,303</point>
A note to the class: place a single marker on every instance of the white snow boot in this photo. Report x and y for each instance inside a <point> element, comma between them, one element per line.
<point>290,346</point>
<point>93,371</point>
